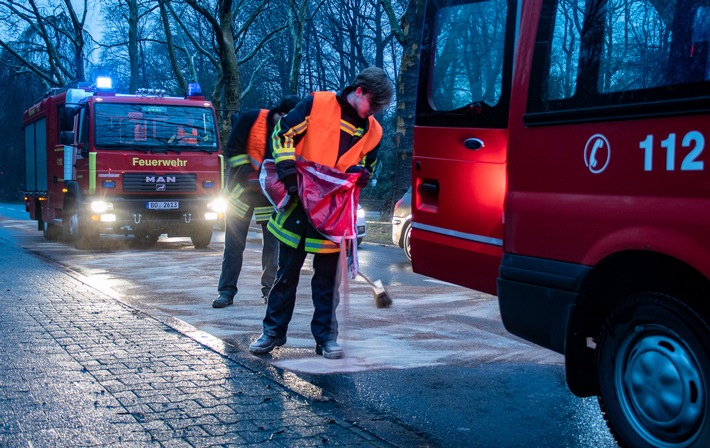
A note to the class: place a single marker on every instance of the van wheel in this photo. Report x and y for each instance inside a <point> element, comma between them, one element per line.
<point>201,236</point>
<point>654,373</point>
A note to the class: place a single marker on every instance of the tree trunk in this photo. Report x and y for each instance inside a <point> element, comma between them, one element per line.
<point>171,48</point>
<point>403,139</point>
<point>230,67</point>
<point>133,44</point>
<point>297,14</point>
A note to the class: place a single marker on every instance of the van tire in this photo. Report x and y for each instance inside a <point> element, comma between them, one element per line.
<point>653,364</point>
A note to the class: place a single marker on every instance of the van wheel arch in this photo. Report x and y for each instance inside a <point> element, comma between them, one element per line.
<point>612,281</point>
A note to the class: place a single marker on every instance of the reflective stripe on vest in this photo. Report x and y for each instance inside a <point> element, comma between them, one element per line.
<point>321,142</point>
<point>256,143</point>
<point>239,159</point>
<point>276,227</point>
<point>238,207</point>
<point>262,214</point>
<point>321,246</point>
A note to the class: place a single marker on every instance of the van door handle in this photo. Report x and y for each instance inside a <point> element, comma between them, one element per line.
<point>473,144</point>
<point>429,188</point>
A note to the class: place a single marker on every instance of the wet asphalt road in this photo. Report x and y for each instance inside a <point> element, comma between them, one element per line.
<point>438,361</point>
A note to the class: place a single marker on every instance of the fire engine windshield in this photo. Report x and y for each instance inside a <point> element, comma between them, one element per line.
<point>151,127</point>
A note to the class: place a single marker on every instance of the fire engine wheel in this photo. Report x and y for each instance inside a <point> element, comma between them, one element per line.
<point>52,232</point>
<point>201,236</point>
<point>654,373</point>
<point>80,232</point>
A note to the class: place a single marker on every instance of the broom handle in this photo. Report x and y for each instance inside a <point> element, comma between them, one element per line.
<point>366,279</point>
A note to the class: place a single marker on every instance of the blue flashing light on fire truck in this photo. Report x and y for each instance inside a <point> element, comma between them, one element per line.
<point>143,164</point>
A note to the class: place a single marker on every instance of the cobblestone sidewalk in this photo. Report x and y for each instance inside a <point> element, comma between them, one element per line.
<point>79,368</point>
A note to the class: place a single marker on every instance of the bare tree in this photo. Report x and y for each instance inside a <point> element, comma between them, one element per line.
<point>50,40</point>
<point>407,30</point>
<point>165,6</point>
<point>222,23</point>
<point>125,33</point>
<point>298,17</point>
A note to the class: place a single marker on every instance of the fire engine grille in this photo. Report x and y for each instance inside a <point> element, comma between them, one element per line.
<point>150,183</point>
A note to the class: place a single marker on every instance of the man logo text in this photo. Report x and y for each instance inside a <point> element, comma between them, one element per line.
<point>160,179</point>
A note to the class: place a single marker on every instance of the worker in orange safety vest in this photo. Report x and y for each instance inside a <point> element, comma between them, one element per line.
<point>336,131</point>
<point>248,145</point>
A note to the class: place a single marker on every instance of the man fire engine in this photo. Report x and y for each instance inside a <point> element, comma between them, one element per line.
<point>143,165</point>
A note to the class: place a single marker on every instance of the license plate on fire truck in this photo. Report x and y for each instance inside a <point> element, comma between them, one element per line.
<point>162,205</point>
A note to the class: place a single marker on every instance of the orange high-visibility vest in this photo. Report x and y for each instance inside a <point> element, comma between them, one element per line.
<point>256,143</point>
<point>321,142</point>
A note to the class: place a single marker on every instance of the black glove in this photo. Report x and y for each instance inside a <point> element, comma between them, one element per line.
<point>291,184</point>
<point>364,175</point>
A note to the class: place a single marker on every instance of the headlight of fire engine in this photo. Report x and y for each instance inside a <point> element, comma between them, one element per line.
<point>216,209</point>
<point>102,211</point>
<point>219,205</point>
<point>101,206</point>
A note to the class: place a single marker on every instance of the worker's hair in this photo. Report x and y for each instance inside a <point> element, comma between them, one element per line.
<point>287,103</point>
<point>374,80</point>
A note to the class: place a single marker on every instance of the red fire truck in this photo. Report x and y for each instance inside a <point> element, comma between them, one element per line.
<point>102,162</point>
<point>559,163</point>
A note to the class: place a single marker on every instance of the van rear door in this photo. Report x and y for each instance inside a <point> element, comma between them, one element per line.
<point>460,141</point>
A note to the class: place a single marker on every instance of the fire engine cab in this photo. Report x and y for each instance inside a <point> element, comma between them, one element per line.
<point>144,164</point>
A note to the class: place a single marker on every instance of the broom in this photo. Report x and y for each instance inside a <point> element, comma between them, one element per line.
<point>382,299</point>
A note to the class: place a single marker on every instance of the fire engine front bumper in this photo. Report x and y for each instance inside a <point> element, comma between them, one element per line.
<point>175,217</point>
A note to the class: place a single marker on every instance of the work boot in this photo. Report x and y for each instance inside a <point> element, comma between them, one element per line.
<point>329,350</point>
<point>222,301</point>
<point>266,343</point>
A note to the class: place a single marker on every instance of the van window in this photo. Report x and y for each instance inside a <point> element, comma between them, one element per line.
<point>628,53</point>
<point>468,54</point>
<point>466,63</point>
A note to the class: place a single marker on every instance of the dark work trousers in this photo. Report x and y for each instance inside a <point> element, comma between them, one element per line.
<point>235,239</point>
<point>324,284</point>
